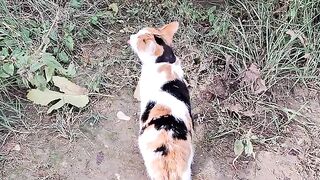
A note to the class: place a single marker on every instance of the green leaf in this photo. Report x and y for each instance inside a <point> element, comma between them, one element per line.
<point>71,71</point>
<point>3,74</point>
<point>94,20</point>
<point>51,61</point>
<point>49,71</point>
<point>8,68</point>
<point>83,33</point>
<point>68,41</point>
<point>63,57</point>
<point>71,27</point>
<point>4,53</point>
<point>54,35</point>
<point>238,147</point>
<point>55,50</point>
<point>248,149</point>
<point>114,7</point>
<point>22,60</point>
<point>36,66</point>
<point>25,34</point>
<point>76,3</point>
<point>39,81</point>
<point>17,52</point>
<point>95,84</point>
<point>101,13</point>
<point>33,23</point>
<point>10,20</point>
<point>25,81</point>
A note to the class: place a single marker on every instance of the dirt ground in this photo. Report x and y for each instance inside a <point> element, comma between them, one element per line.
<point>109,151</point>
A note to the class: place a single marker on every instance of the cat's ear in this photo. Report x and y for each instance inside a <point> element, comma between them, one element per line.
<point>168,31</point>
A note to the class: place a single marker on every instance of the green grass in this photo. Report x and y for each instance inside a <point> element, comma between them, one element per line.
<point>86,40</point>
<point>259,37</point>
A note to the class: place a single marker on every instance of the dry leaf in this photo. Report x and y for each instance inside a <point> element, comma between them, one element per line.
<point>215,88</point>
<point>239,109</point>
<point>252,77</point>
<point>68,87</point>
<point>298,34</point>
<point>219,87</point>
<point>114,7</point>
<point>46,96</point>
<point>260,86</point>
<point>16,147</point>
<point>73,94</point>
<point>307,56</point>
<point>136,93</point>
<point>42,97</point>
<point>122,116</point>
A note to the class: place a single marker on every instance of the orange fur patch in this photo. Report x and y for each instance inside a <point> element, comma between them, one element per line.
<point>168,30</point>
<point>157,111</point>
<point>153,31</point>
<point>159,51</point>
<point>143,41</point>
<point>174,164</point>
<point>166,68</point>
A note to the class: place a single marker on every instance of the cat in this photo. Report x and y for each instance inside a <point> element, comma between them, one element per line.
<point>166,126</point>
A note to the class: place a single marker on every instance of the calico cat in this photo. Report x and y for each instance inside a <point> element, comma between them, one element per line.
<point>165,123</point>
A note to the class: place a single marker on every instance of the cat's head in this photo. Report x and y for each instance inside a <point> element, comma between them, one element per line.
<point>154,45</point>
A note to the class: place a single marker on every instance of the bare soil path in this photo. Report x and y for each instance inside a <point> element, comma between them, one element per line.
<point>109,151</point>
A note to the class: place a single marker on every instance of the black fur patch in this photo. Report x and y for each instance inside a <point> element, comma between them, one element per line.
<point>145,114</point>
<point>169,122</point>
<point>178,89</point>
<point>162,149</point>
<point>167,55</point>
<point>142,129</point>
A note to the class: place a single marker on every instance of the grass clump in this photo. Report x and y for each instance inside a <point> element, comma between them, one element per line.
<point>284,47</point>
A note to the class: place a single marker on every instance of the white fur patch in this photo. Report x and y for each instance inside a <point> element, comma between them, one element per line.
<point>151,82</point>
<point>146,57</point>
